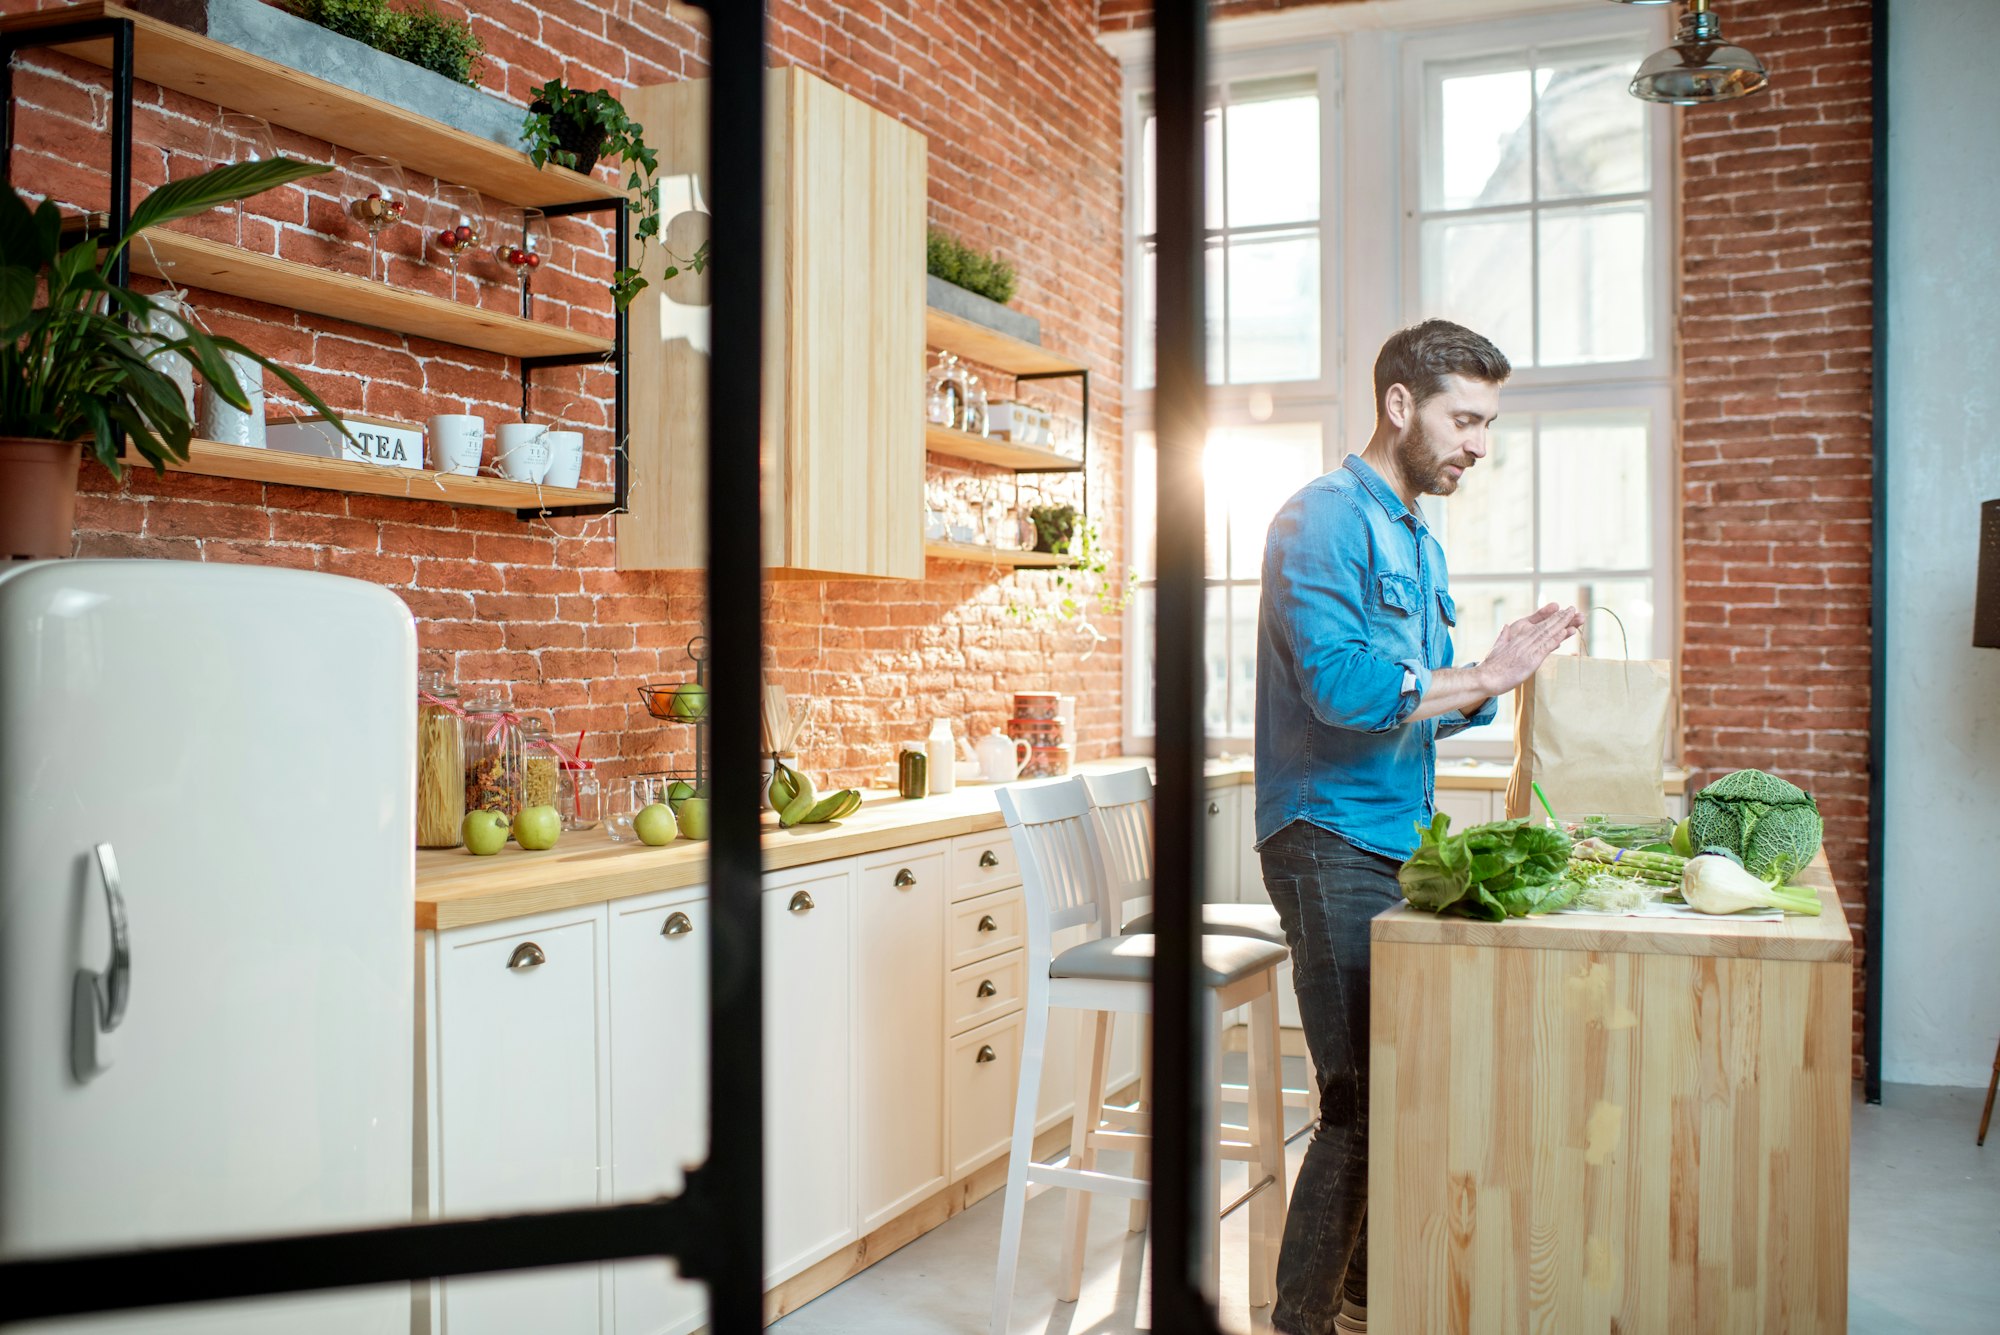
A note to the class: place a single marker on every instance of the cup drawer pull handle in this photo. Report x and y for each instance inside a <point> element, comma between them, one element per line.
<point>527,955</point>
<point>986,1054</point>
<point>801,903</point>
<point>986,988</point>
<point>986,923</point>
<point>678,924</point>
<point>905,879</point>
<point>987,859</point>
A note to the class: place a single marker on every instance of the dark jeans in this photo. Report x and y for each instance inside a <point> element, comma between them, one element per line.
<point>1325,890</point>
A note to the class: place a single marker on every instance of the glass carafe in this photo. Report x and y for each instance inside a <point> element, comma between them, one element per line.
<point>972,417</point>
<point>946,392</point>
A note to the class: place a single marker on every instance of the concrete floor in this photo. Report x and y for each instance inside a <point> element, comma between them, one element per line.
<point>1925,1255</point>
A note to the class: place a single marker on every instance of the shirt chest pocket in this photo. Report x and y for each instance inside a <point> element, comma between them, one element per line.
<point>1398,619</point>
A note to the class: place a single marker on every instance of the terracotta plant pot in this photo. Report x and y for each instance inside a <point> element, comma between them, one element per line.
<point>37,498</point>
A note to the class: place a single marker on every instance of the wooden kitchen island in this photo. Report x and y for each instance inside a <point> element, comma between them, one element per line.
<point>1607,1124</point>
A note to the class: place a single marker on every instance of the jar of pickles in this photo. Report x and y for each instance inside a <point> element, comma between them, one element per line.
<point>493,760</point>
<point>440,762</point>
<point>541,765</point>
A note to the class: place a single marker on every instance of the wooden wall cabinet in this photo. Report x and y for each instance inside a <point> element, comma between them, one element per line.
<point>843,422</point>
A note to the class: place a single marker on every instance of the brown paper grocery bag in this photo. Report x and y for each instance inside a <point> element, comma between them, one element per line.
<point>1593,733</point>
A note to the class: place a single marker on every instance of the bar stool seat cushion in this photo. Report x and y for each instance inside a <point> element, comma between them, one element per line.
<point>1255,920</point>
<point>1121,959</point>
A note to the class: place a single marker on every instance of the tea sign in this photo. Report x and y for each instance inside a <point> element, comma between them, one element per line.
<point>376,440</point>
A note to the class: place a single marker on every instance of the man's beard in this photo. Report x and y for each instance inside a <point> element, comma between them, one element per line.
<point>1421,468</point>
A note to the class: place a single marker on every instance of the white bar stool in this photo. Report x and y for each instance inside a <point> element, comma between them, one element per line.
<point>1062,875</point>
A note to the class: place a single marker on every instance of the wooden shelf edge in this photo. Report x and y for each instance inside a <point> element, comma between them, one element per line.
<point>213,459</point>
<point>199,66</point>
<point>999,556</point>
<point>990,347</point>
<point>194,261</point>
<point>1004,453</point>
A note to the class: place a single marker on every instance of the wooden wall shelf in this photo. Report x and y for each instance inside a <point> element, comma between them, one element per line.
<point>998,556</point>
<point>194,261</point>
<point>199,66</point>
<point>990,347</point>
<point>211,459</point>
<point>1005,453</point>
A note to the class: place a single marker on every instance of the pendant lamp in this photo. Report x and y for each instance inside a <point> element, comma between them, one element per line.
<point>1699,67</point>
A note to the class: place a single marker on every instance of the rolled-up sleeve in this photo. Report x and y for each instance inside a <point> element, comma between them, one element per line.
<point>1315,583</point>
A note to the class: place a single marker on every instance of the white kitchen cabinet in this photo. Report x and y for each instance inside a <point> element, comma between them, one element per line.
<point>1220,855</point>
<point>984,1068</point>
<point>900,1029</point>
<point>809,1149</point>
<point>1466,806</point>
<point>522,1107</point>
<point>659,1087</point>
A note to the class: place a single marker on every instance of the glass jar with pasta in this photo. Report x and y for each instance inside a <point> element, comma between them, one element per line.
<point>440,762</point>
<point>541,762</point>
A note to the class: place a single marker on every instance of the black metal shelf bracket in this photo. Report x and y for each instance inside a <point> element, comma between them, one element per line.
<point>120,31</point>
<point>1082,465</point>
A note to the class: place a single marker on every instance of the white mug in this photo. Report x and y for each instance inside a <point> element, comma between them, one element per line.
<point>565,458</point>
<point>524,451</point>
<point>226,425</point>
<point>455,442</point>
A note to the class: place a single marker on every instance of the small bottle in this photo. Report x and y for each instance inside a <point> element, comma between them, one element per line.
<point>940,751</point>
<point>913,771</point>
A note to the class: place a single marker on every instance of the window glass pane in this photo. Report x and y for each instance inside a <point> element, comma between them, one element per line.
<point>1483,608</point>
<point>1631,600</point>
<point>1595,489</point>
<point>1489,524</point>
<point>1217,298</point>
<point>1145,494</point>
<point>1243,660</point>
<point>1479,139</point>
<point>1254,470</point>
<point>1145,618</point>
<point>1145,519</point>
<point>1143,353</point>
<point>1274,309</point>
<point>1591,132</point>
<point>1217,166</point>
<point>1476,272</point>
<point>1215,711</point>
<point>1593,284</point>
<point>1273,133</point>
<point>1149,160</point>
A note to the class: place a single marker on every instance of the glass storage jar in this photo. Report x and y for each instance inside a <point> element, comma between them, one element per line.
<point>540,765</point>
<point>579,800</point>
<point>493,770</point>
<point>440,763</point>
<point>945,392</point>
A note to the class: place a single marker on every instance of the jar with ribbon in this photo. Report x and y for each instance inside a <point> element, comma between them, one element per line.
<point>440,762</point>
<point>541,764</point>
<point>494,772</point>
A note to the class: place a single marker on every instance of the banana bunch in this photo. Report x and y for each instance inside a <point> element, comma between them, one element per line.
<point>793,798</point>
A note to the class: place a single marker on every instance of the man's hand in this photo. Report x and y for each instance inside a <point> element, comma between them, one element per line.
<point>1523,645</point>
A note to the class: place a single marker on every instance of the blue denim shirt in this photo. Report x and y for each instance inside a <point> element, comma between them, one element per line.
<point>1355,615</point>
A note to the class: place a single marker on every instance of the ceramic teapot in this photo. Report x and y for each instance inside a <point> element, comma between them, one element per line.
<point>1001,758</point>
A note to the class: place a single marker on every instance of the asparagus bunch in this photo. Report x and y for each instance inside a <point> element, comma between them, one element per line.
<point>1588,855</point>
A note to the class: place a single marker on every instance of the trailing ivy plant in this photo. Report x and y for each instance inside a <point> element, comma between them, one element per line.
<point>565,125</point>
<point>1085,585</point>
<point>959,264</point>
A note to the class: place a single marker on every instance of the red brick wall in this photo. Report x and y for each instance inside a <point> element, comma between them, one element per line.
<point>1118,15</point>
<point>1776,347</point>
<point>1021,110</point>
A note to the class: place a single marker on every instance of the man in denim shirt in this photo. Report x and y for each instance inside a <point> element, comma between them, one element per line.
<point>1355,685</point>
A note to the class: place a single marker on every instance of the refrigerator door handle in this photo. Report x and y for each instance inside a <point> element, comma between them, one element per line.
<point>113,987</point>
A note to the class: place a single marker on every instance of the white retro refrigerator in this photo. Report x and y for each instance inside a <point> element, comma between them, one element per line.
<point>206,874</point>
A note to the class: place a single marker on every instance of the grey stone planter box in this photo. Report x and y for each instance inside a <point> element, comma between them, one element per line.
<point>310,49</point>
<point>981,310</point>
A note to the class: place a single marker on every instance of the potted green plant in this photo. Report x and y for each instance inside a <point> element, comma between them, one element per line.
<point>573,128</point>
<point>74,350</point>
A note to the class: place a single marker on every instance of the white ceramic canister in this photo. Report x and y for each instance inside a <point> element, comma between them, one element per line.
<point>565,458</point>
<point>227,425</point>
<point>524,451</point>
<point>455,443</point>
<point>168,319</point>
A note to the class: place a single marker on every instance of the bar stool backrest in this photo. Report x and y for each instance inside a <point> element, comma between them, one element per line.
<point>1061,878</point>
<point>1121,814</point>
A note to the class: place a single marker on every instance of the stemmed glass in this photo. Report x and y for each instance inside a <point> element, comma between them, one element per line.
<point>460,226</point>
<point>519,238</point>
<point>376,200</point>
<point>236,137</point>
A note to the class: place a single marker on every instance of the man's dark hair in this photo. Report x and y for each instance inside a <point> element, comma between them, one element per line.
<point>1421,356</point>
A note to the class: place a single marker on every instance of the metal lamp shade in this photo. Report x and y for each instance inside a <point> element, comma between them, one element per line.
<point>1986,604</point>
<point>1700,67</point>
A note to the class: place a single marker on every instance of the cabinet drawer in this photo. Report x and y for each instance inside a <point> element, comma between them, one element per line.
<point>982,1072</point>
<point>981,863</point>
<point>984,991</point>
<point>987,926</point>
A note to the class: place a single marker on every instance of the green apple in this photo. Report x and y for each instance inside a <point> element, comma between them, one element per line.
<point>537,828</point>
<point>694,818</point>
<point>1682,842</point>
<point>484,832</point>
<point>656,825</point>
<point>690,700</point>
<point>678,792</point>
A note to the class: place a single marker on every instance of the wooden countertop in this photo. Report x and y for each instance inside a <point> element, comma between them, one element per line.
<point>1825,938</point>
